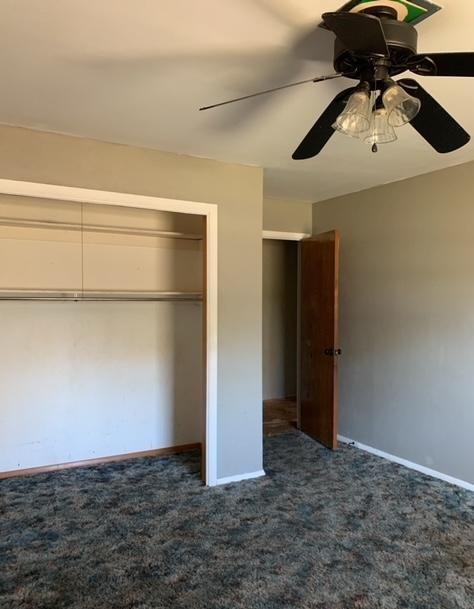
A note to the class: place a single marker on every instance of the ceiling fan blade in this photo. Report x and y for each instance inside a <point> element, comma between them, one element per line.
<point>442,64</point>
<point>293,84</point>
<point>358,32</point>
<point>433,123</point>
<point>322,130</point>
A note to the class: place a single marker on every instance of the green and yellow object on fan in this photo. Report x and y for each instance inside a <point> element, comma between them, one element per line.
<point>412,11</point>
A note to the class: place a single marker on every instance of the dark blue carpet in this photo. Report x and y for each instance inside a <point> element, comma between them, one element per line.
<point>322,530</point>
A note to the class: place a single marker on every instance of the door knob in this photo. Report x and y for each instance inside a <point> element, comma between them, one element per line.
<point>333,352</point>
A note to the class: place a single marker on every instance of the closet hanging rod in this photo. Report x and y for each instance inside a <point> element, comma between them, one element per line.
<point>98,228</point>
<point>100,295</point>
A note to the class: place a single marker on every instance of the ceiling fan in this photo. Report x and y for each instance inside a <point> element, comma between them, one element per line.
<point>372,46</point>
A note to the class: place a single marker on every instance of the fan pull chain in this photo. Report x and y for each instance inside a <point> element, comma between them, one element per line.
<point>373,101</point>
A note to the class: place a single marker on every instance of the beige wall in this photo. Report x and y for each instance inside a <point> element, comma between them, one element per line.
<point>52,259</point>
<point>280,266</point>
<point>93,379</point>
<point>237,191</point>
<point>407,317</point>
<point>287,215</point>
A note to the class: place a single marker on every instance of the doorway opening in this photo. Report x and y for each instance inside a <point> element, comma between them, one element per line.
<point>280,336</point>
<point>300,335</point>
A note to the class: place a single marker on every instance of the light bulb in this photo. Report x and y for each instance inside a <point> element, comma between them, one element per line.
<point>356,116</point>
<point>401,107</point>
<point>381,132</point>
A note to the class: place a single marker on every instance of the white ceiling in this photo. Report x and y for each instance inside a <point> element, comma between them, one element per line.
<point>135,72</point>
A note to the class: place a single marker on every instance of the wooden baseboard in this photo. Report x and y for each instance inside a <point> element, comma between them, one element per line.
<point>158,452</point>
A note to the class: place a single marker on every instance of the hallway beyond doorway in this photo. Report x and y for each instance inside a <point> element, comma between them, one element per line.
<point>279,416</point>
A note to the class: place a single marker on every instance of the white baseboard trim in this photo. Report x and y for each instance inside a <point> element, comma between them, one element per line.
<point>419,468</point>
<point>240,477</point>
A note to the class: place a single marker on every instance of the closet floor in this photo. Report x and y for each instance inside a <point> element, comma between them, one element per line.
<point>279,416</point>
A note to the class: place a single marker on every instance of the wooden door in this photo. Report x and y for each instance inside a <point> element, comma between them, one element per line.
<point>319,348</point>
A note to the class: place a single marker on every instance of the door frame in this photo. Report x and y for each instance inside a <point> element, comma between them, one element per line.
<point>206,210</point>
<point>287,236</point>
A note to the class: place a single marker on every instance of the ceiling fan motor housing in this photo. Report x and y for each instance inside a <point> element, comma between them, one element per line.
<point>402,43</point>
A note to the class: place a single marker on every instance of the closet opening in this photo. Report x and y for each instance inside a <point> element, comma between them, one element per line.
<point>105,322</point>
<point>280,335</point>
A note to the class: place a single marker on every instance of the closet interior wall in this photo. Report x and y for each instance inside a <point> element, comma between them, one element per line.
<point>101,324</point>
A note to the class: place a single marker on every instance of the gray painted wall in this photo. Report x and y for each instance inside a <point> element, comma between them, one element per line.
<point>407,317</point>
<point>280,260</point>
<point>237,191</point>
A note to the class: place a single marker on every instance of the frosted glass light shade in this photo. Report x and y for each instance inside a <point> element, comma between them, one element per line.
<point>381,132</point>
<point>401,107</point>
<point>356,116</point>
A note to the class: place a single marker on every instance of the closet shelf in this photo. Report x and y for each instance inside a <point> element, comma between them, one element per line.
<point>101,295</point>
<point>97,228</point>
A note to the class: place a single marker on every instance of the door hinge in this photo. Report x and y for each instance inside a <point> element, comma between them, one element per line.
<point>333,352</point>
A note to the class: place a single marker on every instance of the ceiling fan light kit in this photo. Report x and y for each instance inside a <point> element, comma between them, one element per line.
<point>356,117</point>
<point>372,118</point>
<point>401,107</point>
<point>380,132</point>
<point>376,41</point>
